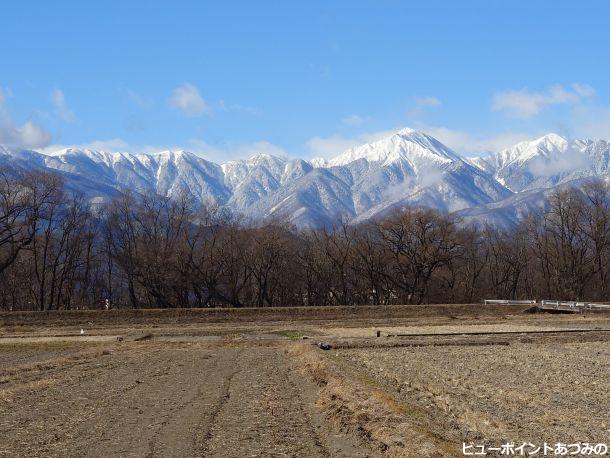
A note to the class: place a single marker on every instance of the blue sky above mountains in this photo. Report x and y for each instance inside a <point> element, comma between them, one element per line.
<point>229,79</point>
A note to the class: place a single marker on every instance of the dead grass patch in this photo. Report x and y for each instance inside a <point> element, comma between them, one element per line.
<point>356,404</point>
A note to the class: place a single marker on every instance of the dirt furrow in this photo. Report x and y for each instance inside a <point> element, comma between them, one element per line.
<point>169,400</point>
<point>263,416</point>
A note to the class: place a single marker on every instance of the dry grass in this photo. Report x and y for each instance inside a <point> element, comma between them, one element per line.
<point>536,392</point>
<point>27,375</point>
<point>356,404</point>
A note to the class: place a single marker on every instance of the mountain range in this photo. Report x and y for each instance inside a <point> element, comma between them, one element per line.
<point>405,169</point>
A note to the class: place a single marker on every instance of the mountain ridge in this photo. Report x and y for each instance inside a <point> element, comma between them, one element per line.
<point>372,180</point>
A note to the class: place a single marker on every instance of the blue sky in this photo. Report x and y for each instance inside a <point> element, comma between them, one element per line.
<point>227,79</point>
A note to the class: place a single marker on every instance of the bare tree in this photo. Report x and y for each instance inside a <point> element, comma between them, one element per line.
<point>23,197</point>
<point>418,242</point>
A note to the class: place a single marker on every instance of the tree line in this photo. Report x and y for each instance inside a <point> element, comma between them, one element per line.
<point>59,251</point>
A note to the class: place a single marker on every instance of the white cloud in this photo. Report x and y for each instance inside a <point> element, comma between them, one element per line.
<point>138,99</point>
<point>525,104</point>
<point>354,120</point>
<point>111,145</point>
<point>328,147</point>
<point>465,143</point>
<point>232,150</point>
<point>188,100</point>
<point>591,122</point>
<point>237,108</point>
<point>584,90</point>
<point>61,106</point>
<point>427,101</point>
<point>370,137</point>
<point>261,147</point>
<point>5,93</point>
<point>29,135</point>
<point>426,176</point>
<point>421,103</point>
<point>567,162</point>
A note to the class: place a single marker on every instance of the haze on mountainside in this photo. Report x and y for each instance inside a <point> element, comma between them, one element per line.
<point>407,168</point>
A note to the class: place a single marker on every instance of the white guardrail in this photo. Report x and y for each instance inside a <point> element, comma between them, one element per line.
<point>555,304</point>
<point>578,305</point>
<point>548,303</point>
<point>509,302</point>
<point>593,306</point>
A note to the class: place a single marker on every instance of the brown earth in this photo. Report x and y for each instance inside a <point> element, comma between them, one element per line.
<point>138,317</point>
<point>171,387</point>
<point>152,399</point>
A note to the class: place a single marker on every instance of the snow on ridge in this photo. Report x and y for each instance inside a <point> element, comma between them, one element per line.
<point>318,162</point>
<point>407,167</point>
<point>406,143</point>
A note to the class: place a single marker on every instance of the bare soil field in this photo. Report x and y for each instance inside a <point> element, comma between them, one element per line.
<point>159,399</point>
<point>166,385</point>
<point>248,315</point>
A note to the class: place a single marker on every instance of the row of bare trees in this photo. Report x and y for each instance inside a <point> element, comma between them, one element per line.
<point>57,252</point>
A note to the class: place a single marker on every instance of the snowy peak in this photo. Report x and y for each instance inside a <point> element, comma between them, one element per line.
<point>546,161</point>
<point>412,168</point>
<point>235,172</point>
<point>549,142</point>
<point>548,146</point>
<point>544,146</point>
<point>265,158</point>
<point>318,162</point>
<point>415,147</point>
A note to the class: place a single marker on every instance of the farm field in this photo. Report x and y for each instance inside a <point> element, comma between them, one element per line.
<point>256,384</point>
<point>524,392</point>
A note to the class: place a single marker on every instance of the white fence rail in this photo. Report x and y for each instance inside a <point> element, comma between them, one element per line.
<point>562,304</point>
<point>548,304</point>
<point>509,302</point>
<point>577,305</point>
<point>592,306</point>
<point>552,304</point>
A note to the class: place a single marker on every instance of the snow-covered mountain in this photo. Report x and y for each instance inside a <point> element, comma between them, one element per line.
<point>533,170</point>
<point>547,161</point>
<point>412,168</point>
<point>407,168</point>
